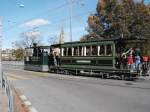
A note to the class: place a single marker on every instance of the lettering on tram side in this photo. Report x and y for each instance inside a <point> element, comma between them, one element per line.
<point>83,61</point>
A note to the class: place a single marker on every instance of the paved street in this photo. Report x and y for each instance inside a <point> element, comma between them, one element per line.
<point>60,93</point>
<point>3,101</point>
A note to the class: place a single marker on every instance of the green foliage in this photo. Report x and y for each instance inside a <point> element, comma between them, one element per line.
<point>120,19</point>
<point>124,19</point>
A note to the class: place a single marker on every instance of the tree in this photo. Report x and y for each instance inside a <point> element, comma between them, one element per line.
<point>18,54</point>
<point>53,40</point>
<point>120,18</point>
<point>27,40</point>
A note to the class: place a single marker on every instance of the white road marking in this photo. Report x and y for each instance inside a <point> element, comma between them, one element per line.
<point>28,104</point>
<point>24,98</point>
<point>32,109</point>
<point>15,77</point>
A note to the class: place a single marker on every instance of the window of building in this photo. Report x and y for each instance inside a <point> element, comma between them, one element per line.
<point>108,50</point>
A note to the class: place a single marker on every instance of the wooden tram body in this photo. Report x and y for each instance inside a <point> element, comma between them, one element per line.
<point>93,58</point>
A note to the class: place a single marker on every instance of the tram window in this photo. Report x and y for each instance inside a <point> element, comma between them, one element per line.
<point>80,51</point>
<point>108,50</point>
<point>29,52</point>
<point>94,50</point>
<point>75,51</point>
<point>102,50</point>
<point>69,52</point>
<point>88,51</point>
<point>64,51</point>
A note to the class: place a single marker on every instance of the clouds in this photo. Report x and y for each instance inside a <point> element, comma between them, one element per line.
<point>36,23</point>
<point>32,34</point>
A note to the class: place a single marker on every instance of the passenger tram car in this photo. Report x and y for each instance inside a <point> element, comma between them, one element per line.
<point>105,58</point>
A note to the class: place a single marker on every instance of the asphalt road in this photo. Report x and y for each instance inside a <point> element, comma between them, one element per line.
<point>61,93</point>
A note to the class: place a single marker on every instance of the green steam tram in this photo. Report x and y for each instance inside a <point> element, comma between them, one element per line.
<point>105,58</point>
<point>36,58</point>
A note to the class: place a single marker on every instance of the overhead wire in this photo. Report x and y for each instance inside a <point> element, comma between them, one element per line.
<point>74,16</point>
<point>47,11</point>
<point>65,19</point>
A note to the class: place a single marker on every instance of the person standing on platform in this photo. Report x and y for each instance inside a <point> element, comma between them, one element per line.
<point>145,62</point>
<point>130,61</point>
<point>137,62</point>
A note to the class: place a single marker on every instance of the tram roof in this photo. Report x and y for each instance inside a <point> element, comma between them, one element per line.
<point>42,47</point>
<point>141,40</point>
<point>102,40</point>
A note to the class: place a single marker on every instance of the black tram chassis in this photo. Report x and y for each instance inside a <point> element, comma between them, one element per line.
<point>104,74</point>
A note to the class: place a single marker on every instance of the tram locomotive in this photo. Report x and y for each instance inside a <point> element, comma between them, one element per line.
<point>91,58</point>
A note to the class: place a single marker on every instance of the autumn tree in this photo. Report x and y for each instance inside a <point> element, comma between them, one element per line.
<point>120,18</point>
<point>18,54</point>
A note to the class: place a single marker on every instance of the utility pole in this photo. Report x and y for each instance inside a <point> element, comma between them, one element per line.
<point>70,15</point>
<point>1,51</point>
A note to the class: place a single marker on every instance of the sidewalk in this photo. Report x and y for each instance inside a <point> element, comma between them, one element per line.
<point>3,101</point>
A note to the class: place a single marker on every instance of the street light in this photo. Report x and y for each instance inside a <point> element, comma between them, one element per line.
<point>21,5</point>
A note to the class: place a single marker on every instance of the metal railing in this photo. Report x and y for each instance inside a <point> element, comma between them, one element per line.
<point>13,64</point>
<point>5,84</point>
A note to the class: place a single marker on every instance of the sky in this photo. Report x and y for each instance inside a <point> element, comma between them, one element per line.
<point>46,17</point>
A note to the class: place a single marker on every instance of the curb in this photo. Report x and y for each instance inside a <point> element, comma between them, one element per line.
<point>28,103</point>
<point>25,102</point>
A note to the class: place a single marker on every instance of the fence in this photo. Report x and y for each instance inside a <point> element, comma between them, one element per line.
<point>6,85</point>
<point>13,64</point>
<point>15,104</point>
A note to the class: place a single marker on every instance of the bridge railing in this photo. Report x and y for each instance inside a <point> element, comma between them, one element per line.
<point>13,64</point>
<point>5,84</point>
<point>15,104</point>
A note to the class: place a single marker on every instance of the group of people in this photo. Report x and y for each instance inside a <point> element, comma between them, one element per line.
<point>132,59</point>
<point>54,59</point>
